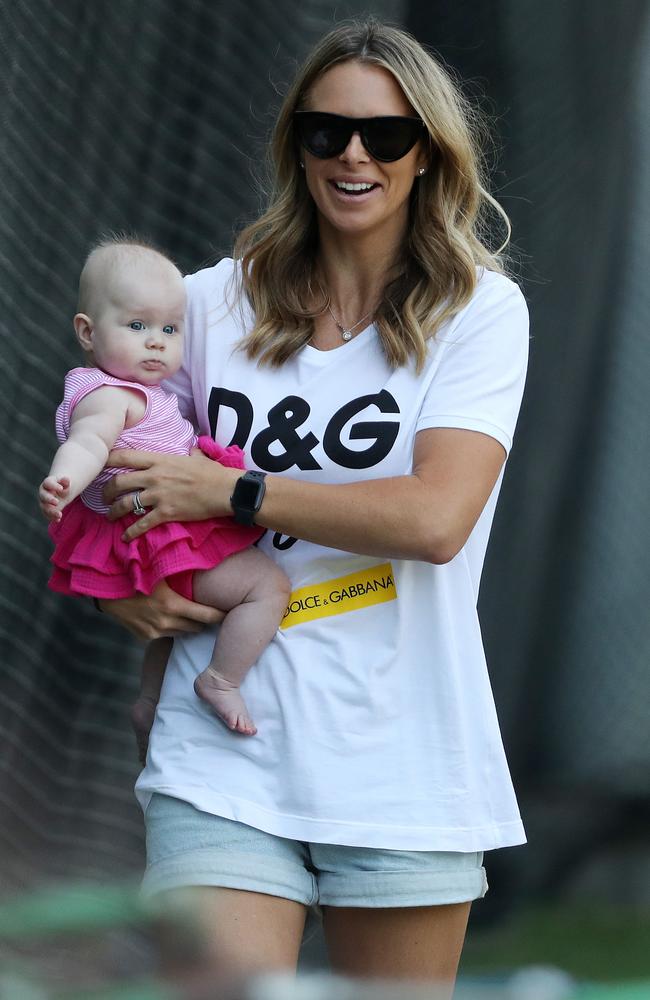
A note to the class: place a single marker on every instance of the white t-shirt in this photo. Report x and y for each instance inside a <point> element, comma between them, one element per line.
<point>376,721</point>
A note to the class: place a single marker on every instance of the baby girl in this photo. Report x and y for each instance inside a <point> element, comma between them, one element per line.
<point>130,327</point>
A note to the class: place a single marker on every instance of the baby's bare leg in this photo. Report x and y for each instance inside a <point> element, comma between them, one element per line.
<point>144,708</point>
<point>254,592</point>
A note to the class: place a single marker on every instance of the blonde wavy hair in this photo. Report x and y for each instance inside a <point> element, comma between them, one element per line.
<point>446,238</point>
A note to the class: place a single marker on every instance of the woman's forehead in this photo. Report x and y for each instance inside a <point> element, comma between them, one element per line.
<point>358,90</point>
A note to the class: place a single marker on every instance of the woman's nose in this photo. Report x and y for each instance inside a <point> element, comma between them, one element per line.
<point>355,150</point>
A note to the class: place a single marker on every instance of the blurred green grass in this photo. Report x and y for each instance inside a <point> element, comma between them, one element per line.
<point>597,943</point>
<point>593,944</point>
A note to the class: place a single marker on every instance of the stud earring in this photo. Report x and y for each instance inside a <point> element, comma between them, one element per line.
<point>422,171</point>
<point>302,165</point>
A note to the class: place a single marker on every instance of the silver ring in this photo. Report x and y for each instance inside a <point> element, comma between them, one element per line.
<point>137,506</point>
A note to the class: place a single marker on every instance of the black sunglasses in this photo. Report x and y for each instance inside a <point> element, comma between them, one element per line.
<point>386,138</point>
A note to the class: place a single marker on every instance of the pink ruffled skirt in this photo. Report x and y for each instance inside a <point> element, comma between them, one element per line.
<point>91,559</point>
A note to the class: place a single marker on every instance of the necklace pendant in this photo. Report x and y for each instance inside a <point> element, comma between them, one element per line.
<point>346,335</point>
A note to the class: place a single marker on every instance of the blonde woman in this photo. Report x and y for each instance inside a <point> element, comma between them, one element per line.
<point>367,353</point>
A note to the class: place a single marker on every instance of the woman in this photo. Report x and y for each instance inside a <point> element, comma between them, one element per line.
<point>366,352</point>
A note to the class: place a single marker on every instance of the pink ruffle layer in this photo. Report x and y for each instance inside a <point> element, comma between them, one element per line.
<point>90,557</point>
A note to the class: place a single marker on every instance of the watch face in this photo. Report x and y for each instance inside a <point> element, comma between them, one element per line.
<point>247,493</point>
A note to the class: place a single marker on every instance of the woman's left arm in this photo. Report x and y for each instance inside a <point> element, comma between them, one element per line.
<point>426,516</point>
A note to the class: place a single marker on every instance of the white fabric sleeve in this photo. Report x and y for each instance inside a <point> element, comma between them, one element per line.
<point>479,382</point>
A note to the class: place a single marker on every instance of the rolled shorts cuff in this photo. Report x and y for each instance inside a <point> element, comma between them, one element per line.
<point>248,871</point>
<point>399,888</point>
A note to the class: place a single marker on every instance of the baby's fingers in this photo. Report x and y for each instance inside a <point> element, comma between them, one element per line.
<point>51,510</point>
<point>49,487</point>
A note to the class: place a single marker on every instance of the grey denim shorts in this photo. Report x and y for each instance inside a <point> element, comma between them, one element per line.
<point>188,847</point>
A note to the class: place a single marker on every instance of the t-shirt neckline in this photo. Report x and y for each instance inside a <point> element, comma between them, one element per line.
<point>368,333</point>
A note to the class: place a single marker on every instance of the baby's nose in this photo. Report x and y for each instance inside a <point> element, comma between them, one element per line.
<point>156,338</point>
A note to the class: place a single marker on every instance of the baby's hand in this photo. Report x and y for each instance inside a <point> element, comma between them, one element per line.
<point>53,496</point>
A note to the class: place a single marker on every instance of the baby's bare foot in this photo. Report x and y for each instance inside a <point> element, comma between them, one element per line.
<point>224,698</point>
<point>142,715</point>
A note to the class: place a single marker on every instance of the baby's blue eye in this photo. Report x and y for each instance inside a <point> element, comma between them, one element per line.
<point>137,325</point>
<point>169,329</point>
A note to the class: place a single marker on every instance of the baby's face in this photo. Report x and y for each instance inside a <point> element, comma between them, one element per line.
<point>138,322</point>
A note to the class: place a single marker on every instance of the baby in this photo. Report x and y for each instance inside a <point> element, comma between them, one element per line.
<point>130,327</point>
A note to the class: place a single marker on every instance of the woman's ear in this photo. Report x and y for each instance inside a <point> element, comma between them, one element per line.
<point>83,328</point>
<point>423,162</point>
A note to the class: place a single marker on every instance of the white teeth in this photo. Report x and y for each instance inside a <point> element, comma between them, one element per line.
<point>345,186</point>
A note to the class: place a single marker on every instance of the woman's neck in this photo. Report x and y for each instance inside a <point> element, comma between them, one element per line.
<point>354,271</point>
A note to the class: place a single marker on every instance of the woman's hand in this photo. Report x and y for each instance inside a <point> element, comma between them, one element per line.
<point>171,487</point>
<point>162,613</point>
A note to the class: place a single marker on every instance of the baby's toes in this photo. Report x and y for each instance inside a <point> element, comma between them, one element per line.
<point>245,725</point>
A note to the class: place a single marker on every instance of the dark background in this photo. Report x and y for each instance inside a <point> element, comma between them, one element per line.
<point>152,116</point>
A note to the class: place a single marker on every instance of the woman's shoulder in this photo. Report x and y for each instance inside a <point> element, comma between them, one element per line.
<point>496,298</point>
<point>217,311</point>
<point>495,286</point>
<point>213,281</point>
<point>494,320</point>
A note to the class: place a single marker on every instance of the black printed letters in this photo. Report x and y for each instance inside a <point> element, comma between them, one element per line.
<point>384,434</point>
<point>284,419</point>
<point>242,406</point>
<point>285,443</point>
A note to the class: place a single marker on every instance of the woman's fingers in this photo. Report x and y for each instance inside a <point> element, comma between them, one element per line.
<point>133,503</point>
<point>129,458</point>
<point>128,482</point>
<point>140,526</point>
<point>175,487</point>
<point>124,483</point>
<point>156,512</point>
<point>178,616</point>
<point>163,613</point>
<point>199,615</point>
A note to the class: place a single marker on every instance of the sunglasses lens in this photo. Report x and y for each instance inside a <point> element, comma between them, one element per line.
<point>390,139</point>
<point>386,139</point>
<point>323,135</point>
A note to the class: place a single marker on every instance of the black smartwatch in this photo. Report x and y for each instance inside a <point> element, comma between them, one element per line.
<point>247,496</point>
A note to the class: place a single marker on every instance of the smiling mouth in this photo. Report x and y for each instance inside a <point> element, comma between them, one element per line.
<point>354,190</point>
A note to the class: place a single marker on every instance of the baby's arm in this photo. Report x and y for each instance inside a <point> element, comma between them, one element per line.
<point>95,425</point>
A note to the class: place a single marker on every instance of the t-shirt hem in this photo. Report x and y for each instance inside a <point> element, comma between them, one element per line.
<point>509,833</point>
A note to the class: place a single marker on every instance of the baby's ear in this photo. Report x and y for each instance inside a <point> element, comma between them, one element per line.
<point>83,328</point>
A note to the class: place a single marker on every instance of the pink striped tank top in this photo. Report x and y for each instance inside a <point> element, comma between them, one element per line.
<point>162,427</point>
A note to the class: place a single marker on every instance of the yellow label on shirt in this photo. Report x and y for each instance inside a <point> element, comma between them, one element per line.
<point>374,585</point>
